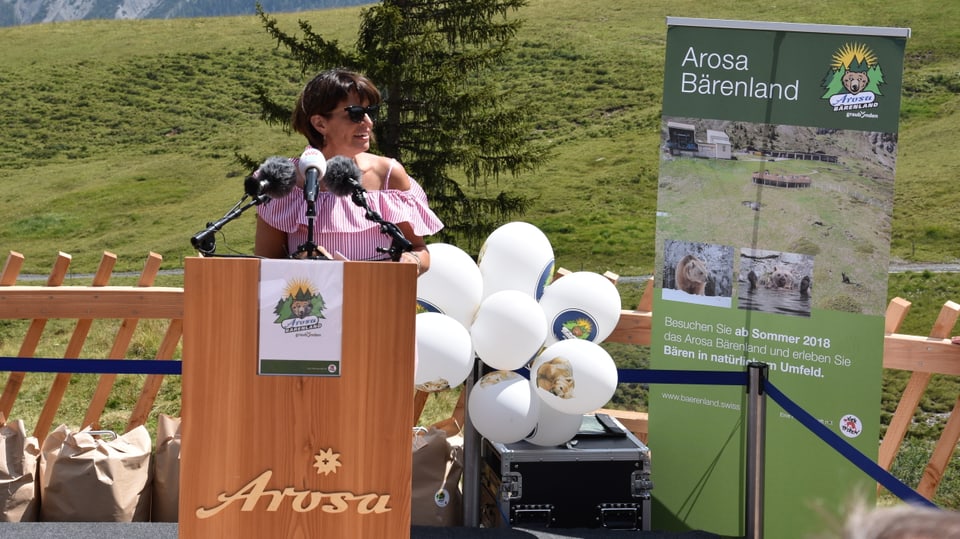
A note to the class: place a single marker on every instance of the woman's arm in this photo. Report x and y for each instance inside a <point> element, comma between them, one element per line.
<point>419,255</point>
<point>400,180</point>
<point>268,241</point>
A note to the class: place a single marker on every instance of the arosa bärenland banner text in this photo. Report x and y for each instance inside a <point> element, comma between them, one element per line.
<point>777,156</point>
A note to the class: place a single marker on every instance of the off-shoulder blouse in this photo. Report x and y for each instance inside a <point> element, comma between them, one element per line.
<point>341,226</point>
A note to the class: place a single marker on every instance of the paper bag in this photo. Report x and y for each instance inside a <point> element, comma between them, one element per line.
<point>84,478</point>
<point>166,470</point>
<point>436,496</point>
<point>18,474</point>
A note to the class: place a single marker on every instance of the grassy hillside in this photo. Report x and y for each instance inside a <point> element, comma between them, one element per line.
<point>121,135</point>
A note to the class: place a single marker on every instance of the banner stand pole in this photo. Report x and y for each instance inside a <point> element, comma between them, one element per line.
<point>756,435</point>
<point>471,456</point>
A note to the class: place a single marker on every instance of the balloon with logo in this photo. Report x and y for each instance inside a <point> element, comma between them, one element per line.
<point>453,286</point>
<point>509,330</point>
<point>554,427</point>
<point>574,376</point>
<point>581,305</point>
<point>444,352</point>
<point>503,407</point>
<point>516,256</point>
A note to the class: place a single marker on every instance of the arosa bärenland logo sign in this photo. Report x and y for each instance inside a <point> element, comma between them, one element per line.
<point>301,308</point>
<point>854,79</point>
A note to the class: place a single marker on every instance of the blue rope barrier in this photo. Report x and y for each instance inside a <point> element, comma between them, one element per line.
<point>629,376</point>
<point>661,376</point>
<point>840,445</point>
<point>91,366</point>
<point>861,461</point>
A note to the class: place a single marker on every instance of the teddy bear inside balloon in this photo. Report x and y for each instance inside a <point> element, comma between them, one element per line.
<point>507,310</point>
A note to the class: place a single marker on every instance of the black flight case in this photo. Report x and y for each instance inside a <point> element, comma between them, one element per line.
<point>600,479</point>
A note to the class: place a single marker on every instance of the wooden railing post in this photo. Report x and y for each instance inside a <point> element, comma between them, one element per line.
<point>74,347</point>
<point>28,347</point>
<point>951,432</point>
<point>120,346</point>
<point>896,312</point>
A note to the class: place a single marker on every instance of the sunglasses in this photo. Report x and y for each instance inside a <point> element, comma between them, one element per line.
<point>357,113</point>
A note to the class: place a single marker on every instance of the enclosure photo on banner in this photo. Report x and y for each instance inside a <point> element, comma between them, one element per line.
<point>822,193</point>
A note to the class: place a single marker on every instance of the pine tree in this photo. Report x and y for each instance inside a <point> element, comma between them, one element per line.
<point>433,63</point>
<point>876,79</point>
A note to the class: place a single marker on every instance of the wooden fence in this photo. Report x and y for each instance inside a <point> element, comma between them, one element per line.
<point>922,356</point>
<point>125,304</point>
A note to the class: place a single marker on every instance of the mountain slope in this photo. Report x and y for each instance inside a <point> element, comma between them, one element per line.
<point>20,12</point>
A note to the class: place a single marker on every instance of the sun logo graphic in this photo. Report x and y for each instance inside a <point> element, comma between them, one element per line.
<point>326,461</point>
<point>854,78</point>
<point>301,308</point>
<point>424,306</point>
<point>574,324</point>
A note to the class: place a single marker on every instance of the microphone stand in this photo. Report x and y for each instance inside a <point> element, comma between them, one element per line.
<point>205,241</point>
<point>399,244</point>
<point>309,249</point>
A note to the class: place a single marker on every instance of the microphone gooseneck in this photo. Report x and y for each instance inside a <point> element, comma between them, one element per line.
<point>205,241</point>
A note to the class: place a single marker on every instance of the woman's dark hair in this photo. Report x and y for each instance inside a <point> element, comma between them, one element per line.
<point>322,94</point>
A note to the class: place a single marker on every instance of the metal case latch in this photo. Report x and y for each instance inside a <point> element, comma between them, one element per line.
<point>640,484</point>
<point>511,486</point>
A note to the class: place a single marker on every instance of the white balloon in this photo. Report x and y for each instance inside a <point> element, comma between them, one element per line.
<point>516,256</point>
<point>509,330</point>
<point>581,305</point>
<point>574,376</point>
<point>444,352</point>
<point>453,285</point>
<point>502,407</point>
<point>555,427</point>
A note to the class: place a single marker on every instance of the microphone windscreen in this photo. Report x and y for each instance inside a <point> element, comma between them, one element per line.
<point>252,186</point>
<point>312,158</point>
<point>343,176</point>
<point>278,176</point>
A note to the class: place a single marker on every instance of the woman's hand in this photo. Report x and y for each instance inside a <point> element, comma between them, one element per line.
<point>414,257</point>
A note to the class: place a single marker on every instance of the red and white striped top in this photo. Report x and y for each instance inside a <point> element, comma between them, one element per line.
<point>341,226</point>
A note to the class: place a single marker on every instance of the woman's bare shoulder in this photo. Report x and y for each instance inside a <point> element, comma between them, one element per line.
<point>391,172</point>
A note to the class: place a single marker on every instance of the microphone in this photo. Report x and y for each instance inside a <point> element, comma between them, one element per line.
<point>313,166</point>
<point>343,178</point>
<point>274,178</point>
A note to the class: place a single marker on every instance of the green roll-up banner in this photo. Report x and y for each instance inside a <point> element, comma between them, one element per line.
<point>777,158</point>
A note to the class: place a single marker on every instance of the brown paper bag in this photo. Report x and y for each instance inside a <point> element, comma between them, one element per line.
<point>84,478</point>
<point>18,474</point>
<point>166,470</point>
<point>436,496</point>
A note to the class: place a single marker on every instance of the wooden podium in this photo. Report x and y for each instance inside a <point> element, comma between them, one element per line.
<point>296,456</point>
